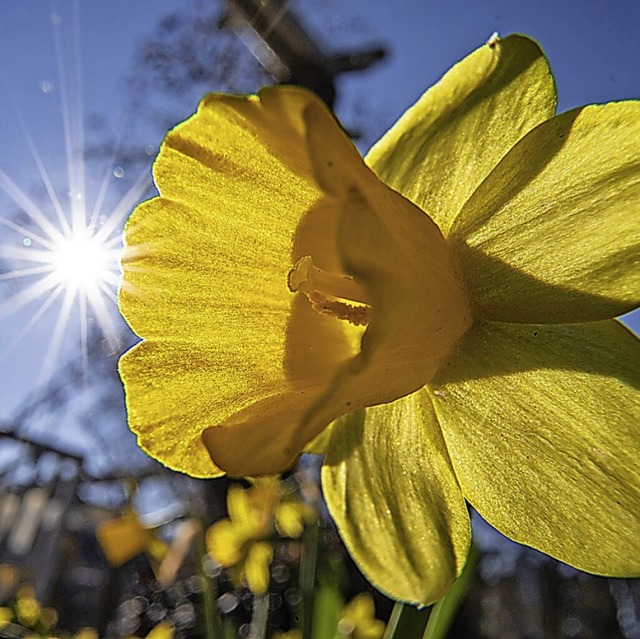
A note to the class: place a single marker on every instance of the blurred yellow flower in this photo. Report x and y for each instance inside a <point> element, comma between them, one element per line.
<point>27,608</point>
<point>29,615</point>
<point>6,615</point>
<point>242,542</point>
<point>163,630</point>
<point>358,620</point>
<point>290,634</point>
<point>125,537</point>
<point>445,307</point>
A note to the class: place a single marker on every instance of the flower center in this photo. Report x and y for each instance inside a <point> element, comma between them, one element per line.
<point>339,296</point>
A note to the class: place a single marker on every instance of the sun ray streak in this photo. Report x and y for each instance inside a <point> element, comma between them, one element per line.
<point>59,254</point>
<point>55,342</point>
<point>25,272</point>
<point>104,318</point>
<point>46,180</point>
<point>14,226</point>
<point>125,205</point>
<point>274,23</point>
<point>104,185</point>
<point>84,334</point>
<point>28,206</point>
<point>49,300</point>
<point>27,254</point>
<point>26,295</point>
<point>73,130</point>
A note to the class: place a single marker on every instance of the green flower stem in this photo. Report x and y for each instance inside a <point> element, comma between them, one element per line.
<point>308,568</point>
<point>409,622</point>
<point>260,617</point>
<point>444,610</point>
<point>212,621</point>
<point>406,622</point>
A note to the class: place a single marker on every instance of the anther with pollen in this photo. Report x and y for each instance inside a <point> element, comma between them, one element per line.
<point>339,296</point>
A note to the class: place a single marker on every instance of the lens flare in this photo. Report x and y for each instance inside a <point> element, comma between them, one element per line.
<point>61,227</point>
<point>82,261</point>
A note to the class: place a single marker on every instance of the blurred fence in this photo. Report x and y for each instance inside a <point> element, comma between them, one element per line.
<point>47,533</point>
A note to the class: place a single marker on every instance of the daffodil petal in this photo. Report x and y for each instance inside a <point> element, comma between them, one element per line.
<point>205,277</point>
<point>239,508</point>
<point>553,233</point>
<point>163,630</point>
<point>122,539</point>
<point>267,436</point>
<point>256,568</point>
<point>541,423</point>
<point>175,390</point>
<point>442,148</point>
<point>224,542</point>
<point>391,490</point>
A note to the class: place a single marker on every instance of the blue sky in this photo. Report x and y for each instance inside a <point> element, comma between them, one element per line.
<point>593,47</point>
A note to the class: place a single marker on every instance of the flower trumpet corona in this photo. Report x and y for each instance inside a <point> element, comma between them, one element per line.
<point>437,318</point>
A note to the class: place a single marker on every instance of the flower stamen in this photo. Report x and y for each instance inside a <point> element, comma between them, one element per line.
<point>330,294</point>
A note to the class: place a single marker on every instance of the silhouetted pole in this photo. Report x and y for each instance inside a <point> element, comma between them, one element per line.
<point>287,51</point>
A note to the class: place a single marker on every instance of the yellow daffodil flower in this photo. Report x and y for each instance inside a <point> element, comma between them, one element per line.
<point>125,537</point>
<point>241,542</point>
<point>358,620</point>
<point>164,630</point>
<point>27,607</point>
<point>6,615</point>
<point>29,615</point>
<point>441,313</point>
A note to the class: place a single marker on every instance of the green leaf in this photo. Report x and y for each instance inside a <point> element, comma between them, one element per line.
<point>406,622</point>
<point>444,611</point>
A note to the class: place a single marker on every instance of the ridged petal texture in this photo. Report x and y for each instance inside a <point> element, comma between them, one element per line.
<point>541,422</point>
<point>444,146</point>
<point>205,279</point>
<point>391,489</point>
<point>552,234</point>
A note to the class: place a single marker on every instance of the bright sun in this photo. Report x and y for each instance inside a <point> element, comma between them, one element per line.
<point>82,261</point>
<point>59,252</point>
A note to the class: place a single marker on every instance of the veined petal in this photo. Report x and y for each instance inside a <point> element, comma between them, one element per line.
<point>205,275</point>
<point>175,390</point>
<point>541,423</point>
<point>447,143</point>
<point>391,490</point>
<point>553,233</point>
